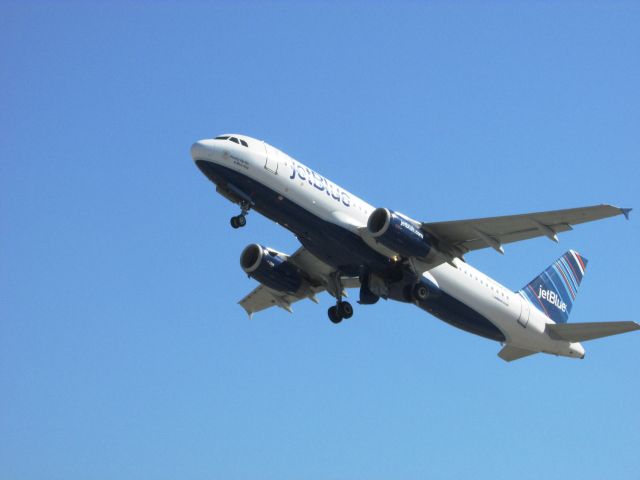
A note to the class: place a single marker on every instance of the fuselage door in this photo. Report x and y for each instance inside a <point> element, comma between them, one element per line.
<point>271,159</point>
<point>525,309</point>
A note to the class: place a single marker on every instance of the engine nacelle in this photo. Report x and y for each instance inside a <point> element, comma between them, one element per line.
<point>270,268</point>
<point>399,233</point>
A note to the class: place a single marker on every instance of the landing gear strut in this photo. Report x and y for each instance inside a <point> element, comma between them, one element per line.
<point>342,309</point>
<point>241,220</point>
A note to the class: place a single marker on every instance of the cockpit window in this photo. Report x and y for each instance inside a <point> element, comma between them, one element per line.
<point>233,139</point>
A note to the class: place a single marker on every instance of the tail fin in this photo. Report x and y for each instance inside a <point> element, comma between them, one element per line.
<point>555,289</point>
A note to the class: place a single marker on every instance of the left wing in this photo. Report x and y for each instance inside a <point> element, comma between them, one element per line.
<point>263,297</point>
<point>459,237</point>
<point>318,276</point>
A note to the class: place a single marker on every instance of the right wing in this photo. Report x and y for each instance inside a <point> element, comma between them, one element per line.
<point>462,236</point>
<point>318,276</point>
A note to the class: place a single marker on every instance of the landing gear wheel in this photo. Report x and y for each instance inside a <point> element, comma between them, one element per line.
<point>345,310</point>
<point>239,221</point>
<point>333,315</point>
<point>420,292</point>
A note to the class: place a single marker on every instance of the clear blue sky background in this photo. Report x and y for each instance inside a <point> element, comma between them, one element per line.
<point>123,353</point>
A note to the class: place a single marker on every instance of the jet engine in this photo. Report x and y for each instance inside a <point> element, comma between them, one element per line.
<point>271,268</point>
<point>399,233</point>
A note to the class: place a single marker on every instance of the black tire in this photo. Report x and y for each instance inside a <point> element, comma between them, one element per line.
<point>241,220</point>
<point>234,222</point>
<point>420,292</point>
<point>345,310</point>
<point>333,315</point>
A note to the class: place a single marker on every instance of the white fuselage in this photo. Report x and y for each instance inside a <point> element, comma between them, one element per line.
<point>522,324</point>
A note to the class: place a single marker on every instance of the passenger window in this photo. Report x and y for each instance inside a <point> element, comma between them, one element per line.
<point>234,140</point>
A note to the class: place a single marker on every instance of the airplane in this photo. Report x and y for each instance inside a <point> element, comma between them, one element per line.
<point>347,243</point>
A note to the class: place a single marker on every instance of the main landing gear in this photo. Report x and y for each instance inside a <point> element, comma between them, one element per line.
<point>241,220</point>
<point>342,309</point>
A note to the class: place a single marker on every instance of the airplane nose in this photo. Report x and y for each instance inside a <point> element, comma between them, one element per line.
<point>197,150</point>
<point>201,150</point>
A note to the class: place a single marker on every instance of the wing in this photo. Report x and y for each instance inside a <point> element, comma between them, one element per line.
<point>463,236</point>
<point>318,277</point>
<point>263,297</point>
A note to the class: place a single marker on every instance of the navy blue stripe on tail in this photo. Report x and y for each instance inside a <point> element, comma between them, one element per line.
<point>555,289</point>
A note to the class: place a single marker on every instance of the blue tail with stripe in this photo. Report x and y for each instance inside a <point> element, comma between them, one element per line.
<point>555,289</point>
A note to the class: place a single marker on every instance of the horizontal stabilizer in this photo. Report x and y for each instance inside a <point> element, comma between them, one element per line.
<point>509,353</point>
<point>580,332</point>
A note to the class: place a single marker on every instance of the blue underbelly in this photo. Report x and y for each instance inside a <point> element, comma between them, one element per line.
<point>458,314</point>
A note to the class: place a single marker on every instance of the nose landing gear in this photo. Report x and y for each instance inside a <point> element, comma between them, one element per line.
<point>241,220</point>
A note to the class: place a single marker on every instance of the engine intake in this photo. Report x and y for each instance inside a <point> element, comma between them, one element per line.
<point>399,233</point>
<point>270,268</point>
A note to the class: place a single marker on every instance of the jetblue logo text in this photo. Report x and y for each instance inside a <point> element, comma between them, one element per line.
<point>319,182</point>
<point>411,228</point>
<point>553,298</point>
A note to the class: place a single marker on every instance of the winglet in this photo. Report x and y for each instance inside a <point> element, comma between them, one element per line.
<point>626,212</point>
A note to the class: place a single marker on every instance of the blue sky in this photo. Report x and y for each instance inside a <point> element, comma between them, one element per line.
<point>123,353</point>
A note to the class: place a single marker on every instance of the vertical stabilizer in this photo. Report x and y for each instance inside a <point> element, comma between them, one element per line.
<point>555,289</point>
